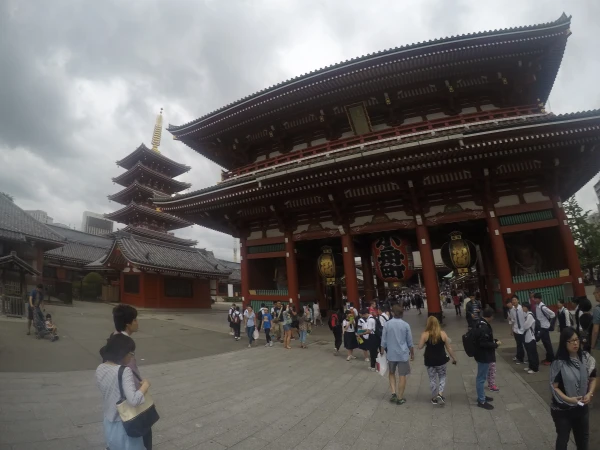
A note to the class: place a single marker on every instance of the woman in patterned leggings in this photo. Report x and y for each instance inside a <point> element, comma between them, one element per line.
<point>491,378</point>
<point>438,344</point>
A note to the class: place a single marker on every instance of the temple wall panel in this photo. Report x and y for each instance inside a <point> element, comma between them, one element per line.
<point>442,209</point>
<point>507,200</point>
<point>274,232</point>
<point>255,235</point>
<point>399,215</point>
<point>533,197</point>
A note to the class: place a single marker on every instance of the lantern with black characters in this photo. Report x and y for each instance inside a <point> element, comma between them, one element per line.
<point>393,259</point>
<point>459,254</point>
<point>327,266</point>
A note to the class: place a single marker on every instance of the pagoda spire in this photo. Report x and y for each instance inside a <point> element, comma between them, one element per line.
<point>157,132</point>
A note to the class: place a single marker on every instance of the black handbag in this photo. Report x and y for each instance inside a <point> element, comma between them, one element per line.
<point>137,420</point>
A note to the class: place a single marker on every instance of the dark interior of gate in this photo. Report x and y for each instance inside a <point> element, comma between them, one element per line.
<point>395,168</point>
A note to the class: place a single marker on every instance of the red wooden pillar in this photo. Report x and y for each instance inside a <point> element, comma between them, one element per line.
<point>569,248</point>
<point>367,270</point>
<point>350,269</point>
<point>429,273</point>
<point>292,269</point>
<point>244,272</point>
<point>500,256</point>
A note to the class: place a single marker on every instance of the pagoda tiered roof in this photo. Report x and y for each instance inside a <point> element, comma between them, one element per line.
<point>136,192</point>
<point>519,65</point>
<point>155,255</point>
<point>159,235</point>
<point>139,172</point>
<point>134,213</point>
<point>153,159</point>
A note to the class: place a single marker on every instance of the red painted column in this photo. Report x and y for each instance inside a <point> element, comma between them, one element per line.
<point>430,278</point>
<point>292,269</point>
<point>244,273</point>
<point>569,248</point>
<point>350,269</point>
<point>500,255</point>
<point>367,269</point>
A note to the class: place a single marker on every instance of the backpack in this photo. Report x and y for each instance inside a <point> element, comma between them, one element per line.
<point>469,340</point>
<point>552,321</point>
<point>259,317</point>
<point>236,317</point>
<point>334,321</point>
<point>379,326</point>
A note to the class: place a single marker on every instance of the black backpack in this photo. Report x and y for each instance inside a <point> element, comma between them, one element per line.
<point>259,316</point>
<point>379,326</point>
<point>552,321</point>
<point>469,340</point>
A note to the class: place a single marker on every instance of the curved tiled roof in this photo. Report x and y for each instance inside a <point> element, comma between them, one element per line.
<point>81,248</point>
<point>137,186</point>
<point>158,235</point>
<point>143,151</point>
<point>178,185</point>
<point>144,210</point>
<point>336,70</point>
<point>152,254</point>
<point>13,259</point>
<point>16,224</point>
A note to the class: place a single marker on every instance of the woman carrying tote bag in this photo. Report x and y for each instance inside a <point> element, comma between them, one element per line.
<point>118,351</point>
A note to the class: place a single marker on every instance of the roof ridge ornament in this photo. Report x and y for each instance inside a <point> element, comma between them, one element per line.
<point>157,132</point>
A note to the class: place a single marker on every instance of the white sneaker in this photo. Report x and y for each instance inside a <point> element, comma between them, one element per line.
<point>526,369</point>
<point>531,371</point>
<point>348,358</point>
<point>367,360</point>
<point>267,344</point>
<point>353,357</point>
<point>249,345</point>
<point>270,344</point>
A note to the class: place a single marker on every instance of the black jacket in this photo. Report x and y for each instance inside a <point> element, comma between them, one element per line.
<point>486,347</point>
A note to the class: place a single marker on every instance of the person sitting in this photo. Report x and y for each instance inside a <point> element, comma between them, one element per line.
<point>50,326</point>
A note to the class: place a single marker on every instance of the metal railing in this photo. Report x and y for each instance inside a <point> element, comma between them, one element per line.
<point>528,217</point>
<point>12,305</point>
<point>367,138</point>
<point>269,248</point>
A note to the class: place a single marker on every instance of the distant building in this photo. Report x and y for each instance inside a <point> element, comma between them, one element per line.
<point>94,223</point>
<point>41,216</point>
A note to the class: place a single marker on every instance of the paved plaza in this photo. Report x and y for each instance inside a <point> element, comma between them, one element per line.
<point>216,394</point>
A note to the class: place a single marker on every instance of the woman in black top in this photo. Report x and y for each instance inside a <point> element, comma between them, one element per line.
<point>438,344</point>
<point>572,380</point>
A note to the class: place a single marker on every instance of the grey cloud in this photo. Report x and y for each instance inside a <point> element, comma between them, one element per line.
<point>58,145</point>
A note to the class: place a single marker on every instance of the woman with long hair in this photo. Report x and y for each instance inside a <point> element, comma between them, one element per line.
<point>572,381</point>
<point>438,344</point>
<point>118,352</point>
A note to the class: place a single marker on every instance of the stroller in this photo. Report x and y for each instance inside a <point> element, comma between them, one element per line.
<point>39,324</point>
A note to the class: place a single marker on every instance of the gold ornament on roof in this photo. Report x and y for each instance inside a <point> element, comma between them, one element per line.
<point>157,132</point>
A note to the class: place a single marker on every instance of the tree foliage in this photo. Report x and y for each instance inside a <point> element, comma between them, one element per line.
<point>8,196</point>
<point>586,233</point>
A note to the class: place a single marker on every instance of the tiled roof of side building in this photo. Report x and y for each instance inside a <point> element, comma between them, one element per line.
<point>16,223</point>
<point>332,70</point>
<point>81,237</point>
<point>14,259</point>
<point>77,252</point>
<point>236,271</point>
<point>154,254</point>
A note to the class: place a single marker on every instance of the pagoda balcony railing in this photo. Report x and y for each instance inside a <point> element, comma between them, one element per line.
<point>388,133</point>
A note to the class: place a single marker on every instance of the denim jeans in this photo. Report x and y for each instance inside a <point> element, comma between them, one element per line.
<point>250,331</point>
<point>482,372</point>
<point>303,336</point>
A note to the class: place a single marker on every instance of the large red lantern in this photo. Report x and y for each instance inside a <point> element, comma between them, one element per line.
<point>393,259</point>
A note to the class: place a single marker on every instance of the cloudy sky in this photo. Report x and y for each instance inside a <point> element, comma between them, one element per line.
<point>81,81</point>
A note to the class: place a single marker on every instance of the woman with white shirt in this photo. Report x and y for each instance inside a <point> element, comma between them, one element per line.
<point>529,337</point>
<point>349,326</point>
<point>118,351</point>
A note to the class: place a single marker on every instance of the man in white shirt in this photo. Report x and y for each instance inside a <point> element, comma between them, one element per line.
<point>563,317</point>
<point>366,326</point>
<point>529,338</point>
<point>317,313</point>
<point>516,318</point>
<point>545,316</point>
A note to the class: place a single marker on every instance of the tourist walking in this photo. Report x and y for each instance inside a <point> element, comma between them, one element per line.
<point>118,351</point>
<point>278,321</point>
<point>366,332</point>
<point>516,319</point>
<point>267,320</point>
<point>546,318</point>
<point>36,300</point>
<point>350,342</point>
<point>335,325</point>
<point>317,313</point>
<point>236,320</point>
<point>529,340</point>
<point>303,323</point>
<point>457,303</point>
<point>563,316</point>
<point>250,322</point>
<point>287,327</point>
<point>229,317</point>
<point>572,381</point>
<point>438,345</point>
<point>485,353</point>
<point>398,345</point>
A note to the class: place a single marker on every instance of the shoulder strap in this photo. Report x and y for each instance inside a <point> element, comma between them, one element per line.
<point>121,370</point>
<point>542,306</point>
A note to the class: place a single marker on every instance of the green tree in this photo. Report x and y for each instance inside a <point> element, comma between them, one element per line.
<point>586,235</point>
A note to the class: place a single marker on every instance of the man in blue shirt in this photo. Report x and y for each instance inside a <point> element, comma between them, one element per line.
<point>398,344</point>
<point>36,300</point>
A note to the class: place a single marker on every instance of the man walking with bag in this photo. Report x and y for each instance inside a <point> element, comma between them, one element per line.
<point>546,318</point>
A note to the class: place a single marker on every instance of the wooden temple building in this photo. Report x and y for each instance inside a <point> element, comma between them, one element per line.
<point>398,150</point>
<point>155,268</point>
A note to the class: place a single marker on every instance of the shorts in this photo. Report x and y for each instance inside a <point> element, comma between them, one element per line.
<point>401,367</point>
<point>287,327</point>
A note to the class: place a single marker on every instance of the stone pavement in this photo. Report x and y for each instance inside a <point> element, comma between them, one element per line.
<point>270,398</point>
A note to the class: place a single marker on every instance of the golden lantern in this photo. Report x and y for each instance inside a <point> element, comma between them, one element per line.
<point>326,265</point>
<point>459,254</point>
